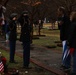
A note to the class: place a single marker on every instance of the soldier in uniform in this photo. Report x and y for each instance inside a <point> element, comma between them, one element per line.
<point>12,36</point>
<point>25,38</point>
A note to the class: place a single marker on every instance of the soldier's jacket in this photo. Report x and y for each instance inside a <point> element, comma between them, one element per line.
<point>12,30</point>
<point>25,29</point>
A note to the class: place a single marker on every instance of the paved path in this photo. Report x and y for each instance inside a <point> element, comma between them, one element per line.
<point>49,59</point>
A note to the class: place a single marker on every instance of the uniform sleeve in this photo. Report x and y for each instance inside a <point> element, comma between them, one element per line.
<point>10,26</point>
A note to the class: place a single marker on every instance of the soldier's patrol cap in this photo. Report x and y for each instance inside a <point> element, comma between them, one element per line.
<point>13,15</point>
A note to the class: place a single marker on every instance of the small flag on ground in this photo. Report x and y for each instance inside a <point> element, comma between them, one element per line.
<point>1,67</point>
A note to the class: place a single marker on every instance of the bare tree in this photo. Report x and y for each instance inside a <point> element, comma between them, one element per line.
<point>68,4</point>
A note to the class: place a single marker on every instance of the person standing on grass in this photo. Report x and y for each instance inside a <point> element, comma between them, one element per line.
<point>72,41</point>
<point>25,38</point>
<point>12,36</point>
<point>64,22</point>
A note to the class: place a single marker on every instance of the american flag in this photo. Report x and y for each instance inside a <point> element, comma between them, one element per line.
<point>66,51</point>
<point>1,67</point>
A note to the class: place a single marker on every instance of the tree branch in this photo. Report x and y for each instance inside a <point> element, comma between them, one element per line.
<point>5,3</point>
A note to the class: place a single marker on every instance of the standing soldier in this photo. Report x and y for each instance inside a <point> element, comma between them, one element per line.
<point>12,36</point>
<point>25,38</point>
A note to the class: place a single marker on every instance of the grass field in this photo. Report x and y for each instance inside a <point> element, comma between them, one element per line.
<point>50,37</point>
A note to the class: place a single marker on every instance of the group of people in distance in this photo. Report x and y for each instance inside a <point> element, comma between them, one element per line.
<point>68,37</point>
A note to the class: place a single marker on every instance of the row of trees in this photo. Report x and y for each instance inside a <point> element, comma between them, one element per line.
<point>39,9</point>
